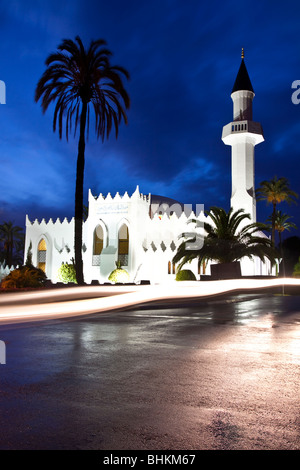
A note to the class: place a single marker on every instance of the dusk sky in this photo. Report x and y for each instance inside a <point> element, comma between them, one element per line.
<point>183,58</point>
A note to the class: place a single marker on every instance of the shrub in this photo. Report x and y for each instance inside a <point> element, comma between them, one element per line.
<point>25,276</point>
<point>67,273</point>
<point>296,272</point>
<point>119,275</point>
<point>185,275</point>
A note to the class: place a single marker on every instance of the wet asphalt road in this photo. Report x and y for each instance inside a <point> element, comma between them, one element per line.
<point>219,374</point>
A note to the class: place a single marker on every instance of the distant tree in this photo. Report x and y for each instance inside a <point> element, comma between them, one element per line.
<point>291,253</point>
<point>28,261</point>
<point>281,224</point>
<point>296,272</point>
<point>76,77</point>
<point>227,240</point>
<point>274,192</point>
<point>12,238</point>
<point>85,212</point>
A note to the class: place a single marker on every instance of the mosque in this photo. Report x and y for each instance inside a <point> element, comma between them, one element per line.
<point>142,232</point>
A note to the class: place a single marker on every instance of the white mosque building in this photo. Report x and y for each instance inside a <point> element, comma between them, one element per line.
<point>143,231</point>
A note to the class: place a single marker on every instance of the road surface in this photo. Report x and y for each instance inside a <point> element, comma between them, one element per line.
<point>218,374</point>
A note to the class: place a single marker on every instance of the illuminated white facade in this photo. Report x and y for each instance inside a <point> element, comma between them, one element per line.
<point>142,232</point>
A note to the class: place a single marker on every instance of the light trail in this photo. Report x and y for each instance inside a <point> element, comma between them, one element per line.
<point>54,304</point>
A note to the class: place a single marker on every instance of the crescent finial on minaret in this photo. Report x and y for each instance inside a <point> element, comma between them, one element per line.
<point>243,55</point>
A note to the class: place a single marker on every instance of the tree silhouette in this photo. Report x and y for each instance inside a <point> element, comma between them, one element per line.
<point>12,238</point>
<point>281,224</point>
<point>274,192</point>
<point>74,79</point>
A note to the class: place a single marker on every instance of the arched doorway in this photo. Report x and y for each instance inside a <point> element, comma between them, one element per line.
<point>123,245</point>
<point>98,244</point>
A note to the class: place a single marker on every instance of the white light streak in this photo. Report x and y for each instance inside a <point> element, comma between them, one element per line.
<point>54,304</point>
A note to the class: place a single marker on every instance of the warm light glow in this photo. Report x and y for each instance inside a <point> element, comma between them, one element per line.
<point>17,308</point>
<point>42,250</point>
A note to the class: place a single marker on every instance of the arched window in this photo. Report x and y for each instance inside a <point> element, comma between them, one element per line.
<point>98,244</point>
<point>171,268</point>
<point>123,245</point>
<point>41,255</point>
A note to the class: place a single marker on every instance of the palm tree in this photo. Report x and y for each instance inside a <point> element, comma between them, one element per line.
<point>74,79</point>
<point>282,224</point>
<point>12,238</point>
<point>227,239</point>
<point>274,192</point>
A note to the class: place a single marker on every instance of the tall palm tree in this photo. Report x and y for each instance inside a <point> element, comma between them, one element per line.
<point>12,237</point>
<point>275,191</point>
<point>76,78</point>
<point>227,239</point>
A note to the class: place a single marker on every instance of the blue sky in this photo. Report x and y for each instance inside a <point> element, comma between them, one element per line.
<point>183,57</point>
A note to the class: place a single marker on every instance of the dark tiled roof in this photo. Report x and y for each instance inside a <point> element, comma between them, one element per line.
<point>242,81</point>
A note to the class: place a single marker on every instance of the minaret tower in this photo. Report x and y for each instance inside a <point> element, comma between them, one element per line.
<point>243,134</point>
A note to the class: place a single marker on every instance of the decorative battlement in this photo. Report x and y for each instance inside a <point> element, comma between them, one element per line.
<point>117,198</point>
<point>167,217</point>
<point>49,223</point>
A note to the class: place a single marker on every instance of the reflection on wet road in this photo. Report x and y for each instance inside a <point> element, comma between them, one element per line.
<point>211,374</point>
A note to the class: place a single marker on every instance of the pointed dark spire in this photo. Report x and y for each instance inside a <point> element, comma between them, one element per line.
<point>242,81</point>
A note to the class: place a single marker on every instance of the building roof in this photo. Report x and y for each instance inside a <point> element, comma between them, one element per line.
<point>242,81</point>
<point>162,205</point>
<point>155,199</point>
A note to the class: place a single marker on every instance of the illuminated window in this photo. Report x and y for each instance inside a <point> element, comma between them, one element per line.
<point>97,245</point>
<point>41,257</point>
<point>123,245</point>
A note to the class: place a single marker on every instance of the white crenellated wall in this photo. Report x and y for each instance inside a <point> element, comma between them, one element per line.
<point>154,236</point>
<point>59,237</point>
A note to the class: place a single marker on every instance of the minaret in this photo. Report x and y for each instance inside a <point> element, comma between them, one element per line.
<point>243,134</point>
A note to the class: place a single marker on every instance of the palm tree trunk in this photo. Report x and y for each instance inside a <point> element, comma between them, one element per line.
<point>8,250</point>
<point>281,254</point>
<point>7,253</point>
<point>273,223</point>
<point>79,198</point>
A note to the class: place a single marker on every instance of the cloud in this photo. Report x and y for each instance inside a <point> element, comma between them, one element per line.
<point>183,58</point>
